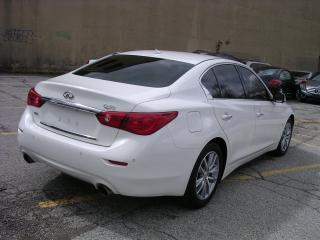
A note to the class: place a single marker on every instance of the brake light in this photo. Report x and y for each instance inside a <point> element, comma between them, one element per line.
<point>34,98</point>
<point>274,83</point>
<point>304,81</point>
<point>137,123</point>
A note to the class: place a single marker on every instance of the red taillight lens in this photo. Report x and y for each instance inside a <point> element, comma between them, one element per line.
<point>137,123</point>
<point>147,123</point>
<point>303,81</point>
<point>274,83</point>
<point>34,98</point>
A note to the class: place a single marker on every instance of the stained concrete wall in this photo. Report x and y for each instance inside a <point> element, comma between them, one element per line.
<point>59,35</point>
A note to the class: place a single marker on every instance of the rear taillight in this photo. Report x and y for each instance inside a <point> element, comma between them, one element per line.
<point>303,81</point>
<point>34,98</point>
<point>137,123</point>
<point>274,83</point>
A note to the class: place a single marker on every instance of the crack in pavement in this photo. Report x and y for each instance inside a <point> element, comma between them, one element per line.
<point>284,195</point>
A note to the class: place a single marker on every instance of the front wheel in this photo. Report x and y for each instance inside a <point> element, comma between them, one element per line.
<point>285,139</point>
<point>205,177</point>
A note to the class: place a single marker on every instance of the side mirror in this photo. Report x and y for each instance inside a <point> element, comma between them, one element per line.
<point>279,97</point>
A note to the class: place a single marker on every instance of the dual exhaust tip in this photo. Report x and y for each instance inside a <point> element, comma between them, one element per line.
<point>104,189</point>
<point>101,188</point>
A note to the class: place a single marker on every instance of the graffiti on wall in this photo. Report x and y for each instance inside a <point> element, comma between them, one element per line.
<point>17,35</point>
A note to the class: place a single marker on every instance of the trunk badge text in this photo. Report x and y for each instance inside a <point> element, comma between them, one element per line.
<point>109,107</point>
<point>68,95</point>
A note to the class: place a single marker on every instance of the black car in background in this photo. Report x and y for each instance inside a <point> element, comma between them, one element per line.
<point>271,74</point>
<point>301,74</point>
<point>309,89</point>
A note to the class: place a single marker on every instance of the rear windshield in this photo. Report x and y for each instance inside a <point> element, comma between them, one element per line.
<point>258,66</point>
<point>267,72</point>
<point>136,70</point>
<point>299,74</point>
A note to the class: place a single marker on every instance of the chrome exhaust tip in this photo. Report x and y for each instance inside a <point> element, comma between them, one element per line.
<point>104,189</point>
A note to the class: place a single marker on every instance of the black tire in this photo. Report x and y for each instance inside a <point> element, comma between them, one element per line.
<point>298,96</point>
<point>190,198</point>
<point>280,151</point>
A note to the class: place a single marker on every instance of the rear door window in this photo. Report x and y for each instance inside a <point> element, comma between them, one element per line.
<point>229,81</point>
<point>209,81</point>
<point>136,70</point>
<point>255,88</point>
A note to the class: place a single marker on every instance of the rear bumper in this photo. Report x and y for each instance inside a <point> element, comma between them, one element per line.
<point>156,167</point>
<point>308,95</point>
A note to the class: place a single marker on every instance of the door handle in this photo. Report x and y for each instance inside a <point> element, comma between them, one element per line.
<point>226,116</point>
<point>260,114</point>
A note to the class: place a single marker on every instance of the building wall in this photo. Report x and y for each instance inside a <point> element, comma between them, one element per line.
<point>59,35</point>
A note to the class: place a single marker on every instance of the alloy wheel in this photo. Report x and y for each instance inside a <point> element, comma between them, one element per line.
<point>286,136</point>
<point>207,175</point>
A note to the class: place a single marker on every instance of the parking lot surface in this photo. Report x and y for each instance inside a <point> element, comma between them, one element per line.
<point>269,198</point>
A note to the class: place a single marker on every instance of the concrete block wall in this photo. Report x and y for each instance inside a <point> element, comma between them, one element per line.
<point>60,35</point>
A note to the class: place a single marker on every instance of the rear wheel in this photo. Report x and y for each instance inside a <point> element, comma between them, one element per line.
<point>285,139</point>
<point>205,177</point>
<point>299,96</point>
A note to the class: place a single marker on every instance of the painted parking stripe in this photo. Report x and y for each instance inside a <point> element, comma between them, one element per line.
<point>308,121</point>
<point>274,172</point>
<point>66,201</point>
<point>309,129</point>
<point>303,135</point>
<point>304,143</point>
<point>8,133</point>
<point>13,107</point>
<point>86,198</point>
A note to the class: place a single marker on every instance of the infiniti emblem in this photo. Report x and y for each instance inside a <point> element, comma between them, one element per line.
<point>68,95</point>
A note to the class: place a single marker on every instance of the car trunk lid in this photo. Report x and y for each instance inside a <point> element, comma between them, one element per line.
<point>72,103</point>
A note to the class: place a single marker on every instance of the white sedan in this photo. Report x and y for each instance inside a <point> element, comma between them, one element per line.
<point>154,123</point>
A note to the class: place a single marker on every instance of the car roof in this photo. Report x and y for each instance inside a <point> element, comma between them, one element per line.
<point>192,58</point>
<point>272,67</point>
<point>218,54</point>
<point>253,62</point>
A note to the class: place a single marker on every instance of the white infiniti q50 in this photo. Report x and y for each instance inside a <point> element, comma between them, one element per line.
<point>154,123</point>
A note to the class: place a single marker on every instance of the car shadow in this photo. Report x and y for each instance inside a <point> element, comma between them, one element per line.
<point>247,209</point>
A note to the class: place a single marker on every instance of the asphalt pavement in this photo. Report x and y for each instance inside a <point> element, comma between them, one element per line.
<point>268,198</point>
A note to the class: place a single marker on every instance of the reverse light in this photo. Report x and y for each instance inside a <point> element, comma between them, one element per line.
<point>137,123</point>
<point>34,98</point>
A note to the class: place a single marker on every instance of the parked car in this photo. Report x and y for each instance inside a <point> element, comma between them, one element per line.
<point>270,73</point>
<point>309,89</point>
<point>301,74</point>
<point>255,65</point>
<point>221,55</point>
<point>154,123</point>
